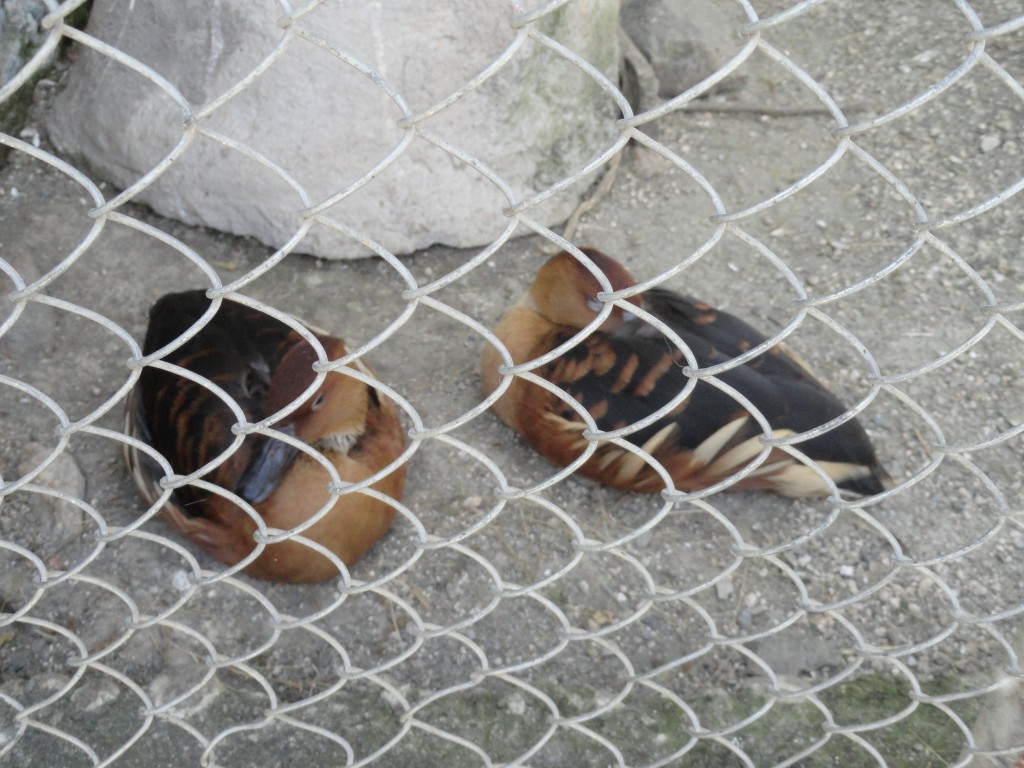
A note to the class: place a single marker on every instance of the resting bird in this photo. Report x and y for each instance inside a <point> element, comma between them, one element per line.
<point>263,365</point>
<point>625,370</point>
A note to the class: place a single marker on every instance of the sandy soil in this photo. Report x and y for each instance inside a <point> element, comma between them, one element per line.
<point>479,616</point>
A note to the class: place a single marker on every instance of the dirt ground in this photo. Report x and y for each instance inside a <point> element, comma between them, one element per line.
<point>494,624</point>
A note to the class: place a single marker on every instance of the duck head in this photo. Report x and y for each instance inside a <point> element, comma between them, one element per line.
<point>565,291</point>
<point>330,419</point>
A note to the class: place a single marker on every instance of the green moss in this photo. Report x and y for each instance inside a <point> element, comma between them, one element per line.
<point>648,727</point>
<point>926,738</point>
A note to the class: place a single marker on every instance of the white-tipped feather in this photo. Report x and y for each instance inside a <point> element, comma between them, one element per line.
<point>796,480</point>
<point>841,471</point>
<point>608,455</point>
<point>736,457</point>
<point>767,469</point>
<point>631,466</point>
<point>655,441</point>
<point>708,451</point>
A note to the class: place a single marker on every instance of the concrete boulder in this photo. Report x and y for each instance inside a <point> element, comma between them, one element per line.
<point>311,123</point>
<point>685,42</point>
<point>20,38</point>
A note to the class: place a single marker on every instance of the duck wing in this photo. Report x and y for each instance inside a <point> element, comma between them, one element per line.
<point>625,375</point>
<point>237,350</point>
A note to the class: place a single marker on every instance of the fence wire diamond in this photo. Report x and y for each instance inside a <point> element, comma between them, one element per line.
<point>848,181</point>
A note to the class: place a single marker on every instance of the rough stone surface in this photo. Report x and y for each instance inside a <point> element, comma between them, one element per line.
<point>20,38</point>
<point>1001,726</point>
<point>20,35</point>
<point>36,325</point>
<point>797,653</point>
<point>326,124</point>
<point>684,42</point>
<point>61,520</point>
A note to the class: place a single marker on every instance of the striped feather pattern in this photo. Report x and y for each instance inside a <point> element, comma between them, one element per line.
<point>263,365</point>
<point>627,370</point>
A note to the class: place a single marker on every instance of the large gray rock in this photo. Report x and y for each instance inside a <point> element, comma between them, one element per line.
<point>58,520</point>
<point>326,124</point>
<point>20,38</point>
<point>1000,726</point>
<point>685,42</point>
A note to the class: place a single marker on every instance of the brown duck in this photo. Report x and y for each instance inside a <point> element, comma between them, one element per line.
<point>263,365</point>
<point>625,370</point>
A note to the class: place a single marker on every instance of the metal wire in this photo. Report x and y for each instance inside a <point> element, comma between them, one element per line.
<point>385,699</point>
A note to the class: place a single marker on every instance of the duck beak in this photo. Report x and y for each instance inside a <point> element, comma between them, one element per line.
<point>267,467</point>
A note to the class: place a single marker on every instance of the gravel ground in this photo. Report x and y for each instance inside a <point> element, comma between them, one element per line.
<point>724,626</point>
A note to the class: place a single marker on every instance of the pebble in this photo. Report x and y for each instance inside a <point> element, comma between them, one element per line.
<point>93,695</point>
<point>990,142</point>
<point>515,703</point>
<point>180,581</point>
<point>724,589</point>
<point>61,520</point>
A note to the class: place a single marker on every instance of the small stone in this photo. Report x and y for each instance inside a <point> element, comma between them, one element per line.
<point>180,581</point>
<point>990,142</point>
<point>93,695</point>
<point>515,703</point>
<point>724,589</point>
<point>63,520</point>
<point>846,571</point>
<point>796,653</point>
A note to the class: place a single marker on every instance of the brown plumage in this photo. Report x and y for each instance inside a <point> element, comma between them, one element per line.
<point>263,365</point>
<point>625,370</point>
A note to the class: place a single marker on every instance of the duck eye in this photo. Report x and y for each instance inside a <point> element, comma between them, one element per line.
<point>317,402</point>
<point>595,304</point>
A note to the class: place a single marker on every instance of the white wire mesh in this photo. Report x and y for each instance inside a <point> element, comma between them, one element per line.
<point>516,617</point>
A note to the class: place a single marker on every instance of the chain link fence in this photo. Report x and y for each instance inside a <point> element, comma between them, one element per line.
<point>846,179</point>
